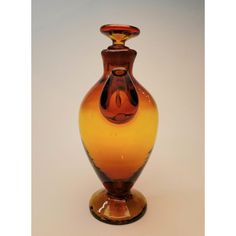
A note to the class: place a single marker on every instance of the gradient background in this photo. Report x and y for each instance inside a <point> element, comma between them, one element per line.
<point>170,64</point>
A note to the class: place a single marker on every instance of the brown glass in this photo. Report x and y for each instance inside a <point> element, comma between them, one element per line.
<point>118,124</point>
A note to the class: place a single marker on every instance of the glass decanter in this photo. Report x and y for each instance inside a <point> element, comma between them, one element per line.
<point>118,123</point>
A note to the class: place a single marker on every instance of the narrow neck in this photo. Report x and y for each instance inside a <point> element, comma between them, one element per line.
<point>118,58</point>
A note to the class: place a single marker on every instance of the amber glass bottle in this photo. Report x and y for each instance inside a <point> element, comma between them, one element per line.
<point>118,123</point>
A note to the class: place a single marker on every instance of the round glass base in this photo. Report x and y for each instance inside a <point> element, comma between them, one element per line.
<point>118,211</point>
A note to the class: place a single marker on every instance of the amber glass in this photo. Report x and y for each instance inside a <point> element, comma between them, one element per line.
<point>118,123</point>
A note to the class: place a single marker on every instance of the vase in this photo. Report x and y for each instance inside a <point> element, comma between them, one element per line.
<point>118,123</point>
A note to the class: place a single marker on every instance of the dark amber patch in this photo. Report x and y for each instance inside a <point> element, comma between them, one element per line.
<point>119,99</point>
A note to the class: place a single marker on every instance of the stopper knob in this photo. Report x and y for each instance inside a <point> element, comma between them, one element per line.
<point>119,33</point>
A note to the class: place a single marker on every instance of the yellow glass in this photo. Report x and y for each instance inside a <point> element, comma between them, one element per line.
<point>118,125</point>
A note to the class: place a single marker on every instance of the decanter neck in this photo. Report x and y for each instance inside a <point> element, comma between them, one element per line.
<point>118,58</point>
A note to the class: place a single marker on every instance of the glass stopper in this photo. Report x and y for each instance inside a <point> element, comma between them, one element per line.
<point>119,33</point>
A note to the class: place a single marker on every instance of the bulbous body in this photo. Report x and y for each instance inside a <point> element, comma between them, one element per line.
<point>118,146</point>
